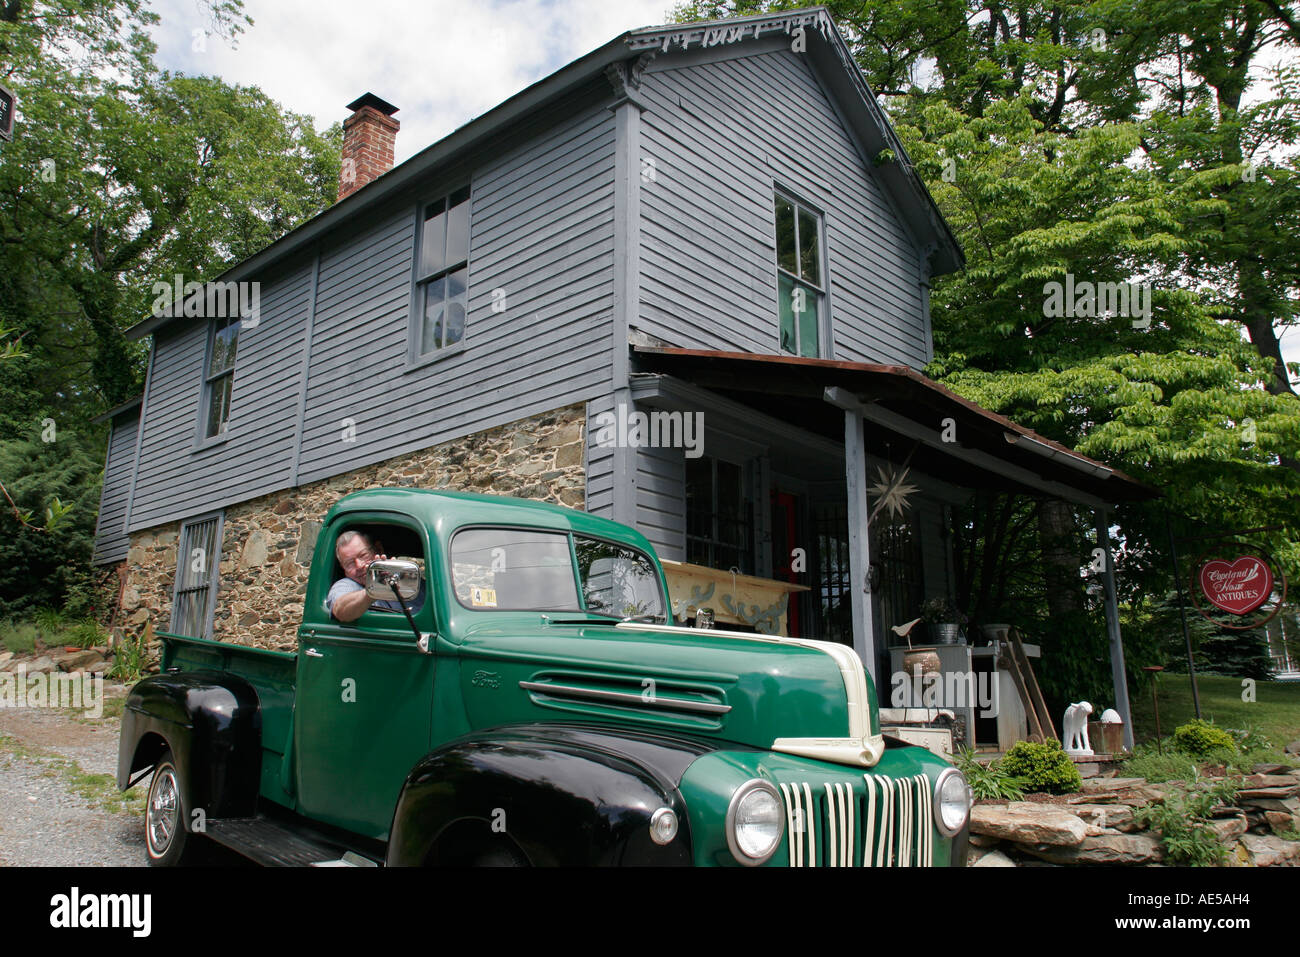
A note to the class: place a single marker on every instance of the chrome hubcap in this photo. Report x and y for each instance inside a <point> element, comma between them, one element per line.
<point>163,812</point>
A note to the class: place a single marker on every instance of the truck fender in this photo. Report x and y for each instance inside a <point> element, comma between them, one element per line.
<point>548,794</point>
<point>211,723</point>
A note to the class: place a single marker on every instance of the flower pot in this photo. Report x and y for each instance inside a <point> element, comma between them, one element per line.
<point>996,632</point>
<point>922,660</point>
<point>946,633</point>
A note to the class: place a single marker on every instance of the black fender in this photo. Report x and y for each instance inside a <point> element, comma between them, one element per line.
<point>568,795</point>
<point>212,723</point>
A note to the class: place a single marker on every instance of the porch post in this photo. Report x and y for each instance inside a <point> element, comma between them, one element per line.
<point>855,472</point>
<point>1117,675</point>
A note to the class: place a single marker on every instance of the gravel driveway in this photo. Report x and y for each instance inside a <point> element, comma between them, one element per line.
<point>52,815</point>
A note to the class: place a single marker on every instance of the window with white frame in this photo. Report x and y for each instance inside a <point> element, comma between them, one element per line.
<point>219,376</point>
<point>197,558</point>
<point>442,274</point>
<point>800,285</point>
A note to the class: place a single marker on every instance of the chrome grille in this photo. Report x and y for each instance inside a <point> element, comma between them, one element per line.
<point>886,823</point>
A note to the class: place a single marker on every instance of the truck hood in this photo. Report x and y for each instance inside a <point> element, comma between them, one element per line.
<point>798,696</point>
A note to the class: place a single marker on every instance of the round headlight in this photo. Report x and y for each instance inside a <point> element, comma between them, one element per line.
<point>663,826</point>
<point>755,822</point>
<point>952,801</point>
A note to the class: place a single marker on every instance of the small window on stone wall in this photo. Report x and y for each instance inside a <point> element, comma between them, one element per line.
<point>197,559</point>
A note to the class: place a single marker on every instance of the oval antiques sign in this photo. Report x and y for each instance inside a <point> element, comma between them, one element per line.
<point>1238,587</point>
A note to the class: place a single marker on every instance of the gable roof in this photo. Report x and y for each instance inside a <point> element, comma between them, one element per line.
<point>825,47</point>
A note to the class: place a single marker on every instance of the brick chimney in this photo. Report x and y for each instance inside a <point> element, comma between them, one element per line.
<point>368,136</point>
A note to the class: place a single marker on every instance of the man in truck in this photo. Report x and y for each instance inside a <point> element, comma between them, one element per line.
<point>347,599</point>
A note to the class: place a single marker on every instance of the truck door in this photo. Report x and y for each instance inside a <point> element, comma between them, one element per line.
<point>362,713</point>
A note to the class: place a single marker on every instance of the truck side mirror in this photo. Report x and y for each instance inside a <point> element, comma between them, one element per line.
<point>382,575</point>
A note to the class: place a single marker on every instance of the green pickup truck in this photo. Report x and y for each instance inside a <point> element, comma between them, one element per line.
<point>521,697</point>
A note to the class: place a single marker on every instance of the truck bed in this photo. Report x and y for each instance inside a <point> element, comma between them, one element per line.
<point>273,674</point>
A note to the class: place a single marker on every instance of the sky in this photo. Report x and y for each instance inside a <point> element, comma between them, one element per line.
<point>441,62</point>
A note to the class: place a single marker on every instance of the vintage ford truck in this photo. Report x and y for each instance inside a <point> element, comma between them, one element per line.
<point>527,700</point>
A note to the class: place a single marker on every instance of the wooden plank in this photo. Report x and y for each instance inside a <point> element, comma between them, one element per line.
<point>1031,682</point>
<point>1008,663</point>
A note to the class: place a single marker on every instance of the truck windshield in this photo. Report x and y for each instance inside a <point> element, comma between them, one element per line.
<point>523,570</point>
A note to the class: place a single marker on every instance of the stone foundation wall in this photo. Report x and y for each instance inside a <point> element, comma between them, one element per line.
<point>267,542</point>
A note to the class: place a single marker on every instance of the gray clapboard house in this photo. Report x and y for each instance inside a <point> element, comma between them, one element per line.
<point>696,219</point>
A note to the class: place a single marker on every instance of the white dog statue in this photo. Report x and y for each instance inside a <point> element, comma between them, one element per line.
<point>1076,729</point>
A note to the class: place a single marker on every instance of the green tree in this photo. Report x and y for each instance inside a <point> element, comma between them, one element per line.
<point>120,176</point>
<point>1110,141</point>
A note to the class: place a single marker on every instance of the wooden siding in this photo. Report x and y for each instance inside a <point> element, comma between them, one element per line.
<point>661,500</point>
<point>541,229</point>
<point>600,462</point>
<point>176,479</point>
<point>721,135</point>
<point>110,530</point>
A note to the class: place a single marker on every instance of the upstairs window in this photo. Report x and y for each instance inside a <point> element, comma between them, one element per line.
<point>801,290</point>
<point>442,273</point>
<point>219,376</point>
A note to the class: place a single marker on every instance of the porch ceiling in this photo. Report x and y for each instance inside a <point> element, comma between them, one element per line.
<point>902,411</point>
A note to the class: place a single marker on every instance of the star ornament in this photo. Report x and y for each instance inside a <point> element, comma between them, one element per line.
<point>890,491</point>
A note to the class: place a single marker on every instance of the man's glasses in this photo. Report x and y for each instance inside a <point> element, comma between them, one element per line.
<point>364,558</point>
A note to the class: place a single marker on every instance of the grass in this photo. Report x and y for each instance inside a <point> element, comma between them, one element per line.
<point>99,790</point>
<point>53,629</point>
<point>1275,712</point>
<point>114,705</point>
<point>19,637</point>
<point>1147,762</point>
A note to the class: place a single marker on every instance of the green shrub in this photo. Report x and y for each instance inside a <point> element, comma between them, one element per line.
<point>49,621</point>
<point>1250,738</point>
<point>129,660</point>
<point>1201,739</point>
<point>1183,821</point>
<point>1044,767</point>
<point>990,782</point>
<point>85,633</point>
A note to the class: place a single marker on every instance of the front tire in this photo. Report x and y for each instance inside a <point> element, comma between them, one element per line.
<point>500,854</point>
<point>167,842</point>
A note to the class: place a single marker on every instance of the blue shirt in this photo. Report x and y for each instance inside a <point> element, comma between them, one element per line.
<point>346,586</point>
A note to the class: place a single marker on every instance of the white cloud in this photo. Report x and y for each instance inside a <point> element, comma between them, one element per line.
<point>441,63</point>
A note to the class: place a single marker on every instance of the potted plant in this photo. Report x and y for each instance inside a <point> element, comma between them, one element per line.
<point>944,619</point>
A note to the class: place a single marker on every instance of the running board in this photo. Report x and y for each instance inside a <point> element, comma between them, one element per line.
<point>265,842</point>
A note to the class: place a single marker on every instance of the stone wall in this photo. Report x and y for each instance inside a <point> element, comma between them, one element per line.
<point>267,542</point>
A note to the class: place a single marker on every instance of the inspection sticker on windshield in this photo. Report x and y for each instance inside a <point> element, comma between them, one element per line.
<point>483,597</point>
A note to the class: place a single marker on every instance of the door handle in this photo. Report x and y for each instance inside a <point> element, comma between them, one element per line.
<point>313,653</point>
